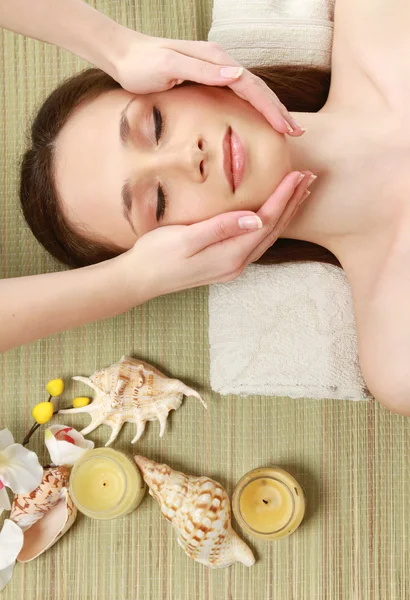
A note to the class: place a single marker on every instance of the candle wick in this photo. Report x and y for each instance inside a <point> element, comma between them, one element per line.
<point>264,501</point>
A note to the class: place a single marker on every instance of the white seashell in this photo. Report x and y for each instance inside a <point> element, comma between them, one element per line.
<point>131,391</point>
<point>200,512</point>
<point>44,515</point>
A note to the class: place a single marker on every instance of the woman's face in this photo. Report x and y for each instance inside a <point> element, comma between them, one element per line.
<point>126,164</point>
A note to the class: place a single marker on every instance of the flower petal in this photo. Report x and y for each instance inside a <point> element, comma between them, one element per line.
<point>20,469</point>
<point>5,576</point>
<point>4,500</point>
<point>63,452</point>
<point>11,542</point>
<point>6,439</point>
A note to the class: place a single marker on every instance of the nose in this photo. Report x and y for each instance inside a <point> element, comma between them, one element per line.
<point>187,158</point>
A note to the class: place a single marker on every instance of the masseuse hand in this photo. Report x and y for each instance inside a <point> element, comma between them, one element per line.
<point>177,257</point>
<point>150,64</point>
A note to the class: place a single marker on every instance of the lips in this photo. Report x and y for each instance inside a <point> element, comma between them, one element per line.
<point>234,159</point>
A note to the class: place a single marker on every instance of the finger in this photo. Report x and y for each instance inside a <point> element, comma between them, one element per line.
<point>184,67</point>
<point>207,51</point>
<point>299,196</point>
<point>254,90</point>
<point>200,236</point>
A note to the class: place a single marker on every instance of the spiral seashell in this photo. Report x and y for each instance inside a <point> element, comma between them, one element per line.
<point>131,391</point>
<point>27,509</point>
<point>45,514</point>
<point>200,512</point>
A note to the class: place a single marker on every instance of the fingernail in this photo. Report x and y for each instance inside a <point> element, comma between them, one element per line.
<point>300,178</point>
<point>252,222</point>
<point>295,125</point>
<point>311,180</point>
<point>304,197</point>
<point>290,130</point>
<point>231,72</point>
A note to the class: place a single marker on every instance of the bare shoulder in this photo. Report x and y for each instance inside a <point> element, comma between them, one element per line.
<point>371,50</point>
<point>383,324</point>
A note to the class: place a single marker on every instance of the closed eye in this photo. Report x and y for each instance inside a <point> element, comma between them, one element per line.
<point>161,203</point>
<point>159,123</point>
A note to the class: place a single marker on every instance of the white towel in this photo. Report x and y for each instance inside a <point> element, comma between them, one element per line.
<point>284,330</point>
<point>272,32</point>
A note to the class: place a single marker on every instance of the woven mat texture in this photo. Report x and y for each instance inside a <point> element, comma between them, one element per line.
<point>352,458</point>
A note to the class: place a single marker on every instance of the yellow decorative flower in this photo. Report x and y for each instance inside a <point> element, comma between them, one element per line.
<point>43,412</point>
<point>81,401</point>
<point>55,387</point>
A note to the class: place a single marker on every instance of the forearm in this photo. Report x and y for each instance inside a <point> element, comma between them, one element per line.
<point>71,24</point>
<point>40,305</point>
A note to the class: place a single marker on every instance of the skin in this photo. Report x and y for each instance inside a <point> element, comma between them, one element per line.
<point>92,163</point>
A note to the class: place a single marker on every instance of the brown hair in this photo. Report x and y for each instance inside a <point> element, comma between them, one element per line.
<point>300,89</point>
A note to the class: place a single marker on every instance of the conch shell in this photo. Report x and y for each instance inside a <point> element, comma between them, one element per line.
<point>200,512</point>
<point>134,392</point>
<point>45,514</point>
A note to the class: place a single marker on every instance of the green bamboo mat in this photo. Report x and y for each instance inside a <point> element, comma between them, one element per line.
<point>351,458</point>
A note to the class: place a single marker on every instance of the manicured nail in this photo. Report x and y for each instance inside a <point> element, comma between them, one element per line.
<point>304,197</point>
<point>290,130</point>
<point>295,125</point>
<point>231,72</point>
<point>252,222</point>
<point>300,178</point>
<point>311,180</point>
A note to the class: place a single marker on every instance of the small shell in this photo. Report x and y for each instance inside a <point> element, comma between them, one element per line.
<point>200,512</point>
<point>27,509</point>
<point>46,532</point>
<point>131,391</point>
<point>45,514</point>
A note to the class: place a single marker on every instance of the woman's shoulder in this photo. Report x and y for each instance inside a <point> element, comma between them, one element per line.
<point>381,293</point>
<point>371,51</point>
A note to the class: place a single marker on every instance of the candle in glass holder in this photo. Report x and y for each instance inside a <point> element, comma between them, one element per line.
<point>268,503</point>
<point>105,484</point>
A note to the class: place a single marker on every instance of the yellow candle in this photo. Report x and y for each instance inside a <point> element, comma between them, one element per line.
<point>268,503</point>
<point>105,484</point>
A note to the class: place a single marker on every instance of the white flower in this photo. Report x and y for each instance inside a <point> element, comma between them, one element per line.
<point>19,469</point>
<point>11,542</point>
<point>65,444</point>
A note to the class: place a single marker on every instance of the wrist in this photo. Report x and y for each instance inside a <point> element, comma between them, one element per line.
<point>131,278</point>
<point>113,53</point>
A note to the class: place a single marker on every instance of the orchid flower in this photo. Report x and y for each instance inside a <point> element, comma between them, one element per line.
<point>19,469</point>
<point>65,444</point>
<point>11,542</point>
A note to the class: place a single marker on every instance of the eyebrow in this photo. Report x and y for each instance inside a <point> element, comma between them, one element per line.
<point>126,191</point>
<point>126,194</point>
<point>124,123</point>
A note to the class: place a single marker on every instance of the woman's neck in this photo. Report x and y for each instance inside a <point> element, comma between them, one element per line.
<point>326,150</point>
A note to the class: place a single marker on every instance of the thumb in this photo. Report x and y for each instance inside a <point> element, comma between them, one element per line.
<point>204,72</point>
<point>220,228</point>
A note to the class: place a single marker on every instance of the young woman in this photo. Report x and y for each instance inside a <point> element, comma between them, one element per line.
<point>26,315</point>
<point>118,165</point>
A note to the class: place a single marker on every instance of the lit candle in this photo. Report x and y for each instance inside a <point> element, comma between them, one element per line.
<point>105,484</point>
<point>268,503</point>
